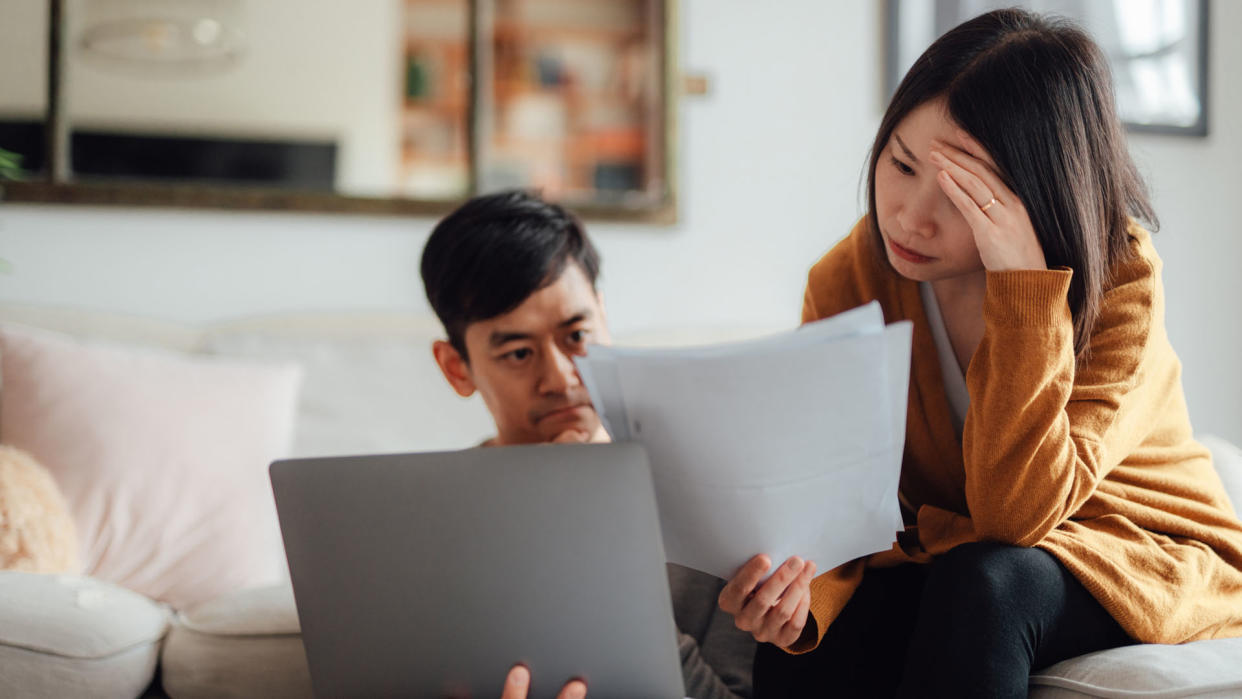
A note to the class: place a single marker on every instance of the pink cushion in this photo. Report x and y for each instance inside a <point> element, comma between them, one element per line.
<point>162,457</point>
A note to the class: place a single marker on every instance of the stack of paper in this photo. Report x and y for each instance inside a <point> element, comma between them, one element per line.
<point>787,445</point>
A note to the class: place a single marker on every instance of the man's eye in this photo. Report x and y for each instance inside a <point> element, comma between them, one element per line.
<point>578,337</point>
<point>518,354</point>
<point>901,167</point>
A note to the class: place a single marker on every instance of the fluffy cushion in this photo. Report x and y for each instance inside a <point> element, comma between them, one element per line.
<point>162,457</point>
<point>244,644</point>
<point>36,530</point>
<point>68,636</point>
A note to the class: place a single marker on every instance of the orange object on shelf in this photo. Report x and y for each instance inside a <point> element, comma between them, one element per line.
<point>615,144</point>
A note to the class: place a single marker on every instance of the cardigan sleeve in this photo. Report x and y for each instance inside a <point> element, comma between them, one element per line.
<point>1043,430</point>
<point>809,312</point>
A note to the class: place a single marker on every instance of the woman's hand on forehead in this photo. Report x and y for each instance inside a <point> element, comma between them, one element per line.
<point>999,221</point>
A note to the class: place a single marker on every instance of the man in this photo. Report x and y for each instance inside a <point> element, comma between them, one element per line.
<point>512,278</point>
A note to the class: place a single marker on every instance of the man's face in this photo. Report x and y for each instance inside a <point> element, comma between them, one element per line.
<point>522,362</point>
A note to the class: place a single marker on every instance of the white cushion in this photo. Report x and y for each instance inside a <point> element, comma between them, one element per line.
<point>72,636</point>
<point>243,644</point>
<point>1199,669</point>
<point>100,325</point>
<point>161,456</point>
<point>371,383</point>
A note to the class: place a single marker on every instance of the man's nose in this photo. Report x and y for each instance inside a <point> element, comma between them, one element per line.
<point>559,372</point>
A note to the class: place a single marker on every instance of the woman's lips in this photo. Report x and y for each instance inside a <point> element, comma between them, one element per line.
<point>907,254</point>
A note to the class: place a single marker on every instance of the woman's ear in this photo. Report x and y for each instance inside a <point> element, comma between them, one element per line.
<point>455,368</point>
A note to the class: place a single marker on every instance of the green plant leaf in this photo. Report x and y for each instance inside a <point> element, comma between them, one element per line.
<point>11,165</point>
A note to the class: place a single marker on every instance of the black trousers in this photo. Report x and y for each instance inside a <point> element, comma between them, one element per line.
<point>973,623</point>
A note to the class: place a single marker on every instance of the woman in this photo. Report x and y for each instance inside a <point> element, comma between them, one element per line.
<point>1055,498</point>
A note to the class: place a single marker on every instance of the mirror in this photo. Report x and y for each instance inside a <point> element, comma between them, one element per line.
<point>375,106</point>
<point>23,99</point>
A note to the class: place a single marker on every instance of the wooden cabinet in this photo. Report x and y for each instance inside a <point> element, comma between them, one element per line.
<point>570,99</point>
<point>435,100</point>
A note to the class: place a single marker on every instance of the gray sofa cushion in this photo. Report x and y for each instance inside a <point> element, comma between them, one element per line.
<point>243,644</point>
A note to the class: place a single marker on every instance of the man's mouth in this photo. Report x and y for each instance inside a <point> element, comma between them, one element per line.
<point>565,411</point>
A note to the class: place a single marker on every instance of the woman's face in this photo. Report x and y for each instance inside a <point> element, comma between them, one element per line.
<point>925,236</point>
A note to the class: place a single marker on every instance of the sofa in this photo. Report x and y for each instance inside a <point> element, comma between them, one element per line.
<point>220,622</point>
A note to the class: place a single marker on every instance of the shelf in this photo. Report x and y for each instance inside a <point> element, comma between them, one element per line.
<point>513,29</point>
<point>436,105</point>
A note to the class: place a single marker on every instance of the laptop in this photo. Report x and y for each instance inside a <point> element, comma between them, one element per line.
<point>430,575</point>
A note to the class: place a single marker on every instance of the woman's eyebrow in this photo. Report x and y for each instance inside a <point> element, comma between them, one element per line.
<point>909,153</point>
<point>576,318</point>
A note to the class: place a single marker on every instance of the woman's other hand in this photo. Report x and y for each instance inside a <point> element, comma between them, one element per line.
<point>1003,231</point>
<point>517,684</point>
<point>774,612</point>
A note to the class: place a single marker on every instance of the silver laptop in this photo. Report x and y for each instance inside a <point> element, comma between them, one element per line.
<point>430,575</point>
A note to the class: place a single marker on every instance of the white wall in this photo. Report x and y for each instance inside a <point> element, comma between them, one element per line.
<point>770,159</point>
<point>1194,183</point>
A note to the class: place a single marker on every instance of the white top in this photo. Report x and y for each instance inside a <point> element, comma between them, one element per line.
<point>954,379</point>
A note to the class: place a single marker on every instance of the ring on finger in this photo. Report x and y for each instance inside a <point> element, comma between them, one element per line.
<point>991,202</point>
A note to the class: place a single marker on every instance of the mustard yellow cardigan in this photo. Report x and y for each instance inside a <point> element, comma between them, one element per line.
<point>1095,464</point>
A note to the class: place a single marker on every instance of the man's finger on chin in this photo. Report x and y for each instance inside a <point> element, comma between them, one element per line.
<point>571,437</point>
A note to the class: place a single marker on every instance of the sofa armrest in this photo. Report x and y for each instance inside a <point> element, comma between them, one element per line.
<point>68,636</point>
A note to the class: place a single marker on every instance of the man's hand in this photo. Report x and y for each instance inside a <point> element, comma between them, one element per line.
<point>578,436</point>
<point>776,611</point>
<point>517,684</point>
<point>572,437</point>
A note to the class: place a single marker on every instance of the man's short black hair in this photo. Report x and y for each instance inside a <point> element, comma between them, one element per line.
<point>484,259</point>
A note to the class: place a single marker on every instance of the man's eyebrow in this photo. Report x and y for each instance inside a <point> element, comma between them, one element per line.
<point>909,154</point>
<point>501,337</point>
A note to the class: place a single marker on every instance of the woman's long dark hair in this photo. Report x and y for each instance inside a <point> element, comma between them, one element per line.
<point>1037,93</point>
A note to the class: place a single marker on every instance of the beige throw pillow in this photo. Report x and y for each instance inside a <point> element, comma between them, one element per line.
<point>162,457</point>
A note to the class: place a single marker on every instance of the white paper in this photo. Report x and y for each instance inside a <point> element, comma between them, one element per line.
<point>787,445</point>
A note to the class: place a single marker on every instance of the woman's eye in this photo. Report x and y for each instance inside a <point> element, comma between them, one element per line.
<point>577,337</point>
<point>901,167</point>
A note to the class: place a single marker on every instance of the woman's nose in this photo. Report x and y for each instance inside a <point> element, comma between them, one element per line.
<point>918,213</point>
